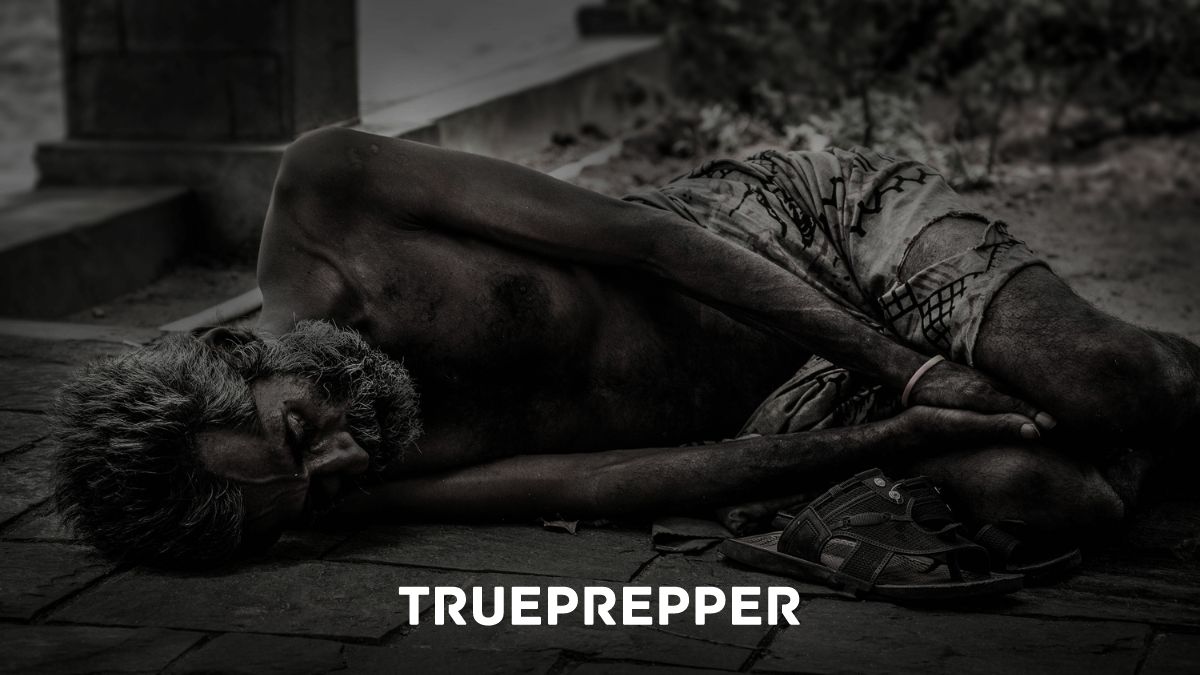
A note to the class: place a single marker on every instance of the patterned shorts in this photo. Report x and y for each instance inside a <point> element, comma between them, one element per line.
<point>842,222</point>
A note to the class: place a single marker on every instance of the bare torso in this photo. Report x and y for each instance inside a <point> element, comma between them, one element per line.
<point>516,354</point>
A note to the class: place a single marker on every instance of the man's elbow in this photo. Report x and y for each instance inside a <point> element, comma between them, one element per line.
<point>661,244</point>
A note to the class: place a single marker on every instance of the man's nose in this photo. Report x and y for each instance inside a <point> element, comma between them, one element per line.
<point>337,453</point>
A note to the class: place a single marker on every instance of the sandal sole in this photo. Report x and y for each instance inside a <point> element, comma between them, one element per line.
<point>760,551</point>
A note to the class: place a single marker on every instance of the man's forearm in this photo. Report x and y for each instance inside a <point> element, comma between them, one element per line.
<point>637,482</point>
<point>709,476</point>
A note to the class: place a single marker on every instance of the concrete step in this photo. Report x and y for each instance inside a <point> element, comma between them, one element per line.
<point>606,82</point>
<point>63,249</point>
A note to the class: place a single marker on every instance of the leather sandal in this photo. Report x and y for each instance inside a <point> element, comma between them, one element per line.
<point>877,538</point>
<point>1012,551</point>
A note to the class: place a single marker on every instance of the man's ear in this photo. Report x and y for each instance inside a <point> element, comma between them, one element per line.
<point>222,337</point>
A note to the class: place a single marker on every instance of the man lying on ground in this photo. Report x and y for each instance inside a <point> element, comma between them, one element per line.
<point>550,330</point>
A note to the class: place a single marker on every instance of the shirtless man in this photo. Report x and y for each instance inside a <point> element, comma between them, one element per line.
<point>565,344</point>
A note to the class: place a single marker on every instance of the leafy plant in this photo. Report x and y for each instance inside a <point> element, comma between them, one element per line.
<point>856,71</point>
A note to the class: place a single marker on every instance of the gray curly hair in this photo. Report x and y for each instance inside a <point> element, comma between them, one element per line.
<point>128,475</point>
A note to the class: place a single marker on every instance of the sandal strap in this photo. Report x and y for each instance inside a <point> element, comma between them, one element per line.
<point>998,542</point>
<point>929,507</point>
<point>879,518</point>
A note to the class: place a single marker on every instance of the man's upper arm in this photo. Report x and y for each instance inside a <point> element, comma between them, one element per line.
<point>504,202</point>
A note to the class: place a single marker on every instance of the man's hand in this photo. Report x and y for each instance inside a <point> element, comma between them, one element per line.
<point>950,385</point>
<point>925,431</point>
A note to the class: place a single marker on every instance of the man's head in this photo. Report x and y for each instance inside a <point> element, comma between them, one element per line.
<point>195,448</point>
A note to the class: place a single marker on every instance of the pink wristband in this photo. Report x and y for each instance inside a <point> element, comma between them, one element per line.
<point>912,381</point>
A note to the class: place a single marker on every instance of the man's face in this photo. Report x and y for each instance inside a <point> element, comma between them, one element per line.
<point>296,463</point>
<point>329,408</point>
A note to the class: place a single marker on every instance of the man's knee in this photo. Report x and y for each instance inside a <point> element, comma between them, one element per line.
<point>1049,492</point>
<point>1098,374</point>
<point>1133,383</point>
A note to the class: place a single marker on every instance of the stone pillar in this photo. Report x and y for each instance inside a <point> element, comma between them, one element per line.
<point>207,70</point>
<point>200,94</point>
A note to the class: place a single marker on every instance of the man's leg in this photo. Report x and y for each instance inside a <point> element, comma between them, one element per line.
<point>1052,493</point>
<point>1111,385</point>
<point>1102,378</point>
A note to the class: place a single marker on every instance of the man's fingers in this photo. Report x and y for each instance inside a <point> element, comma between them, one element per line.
<point>1006,426</point>
<point>951,385</point>
<point>963,426</point>
<point>1038,421</point>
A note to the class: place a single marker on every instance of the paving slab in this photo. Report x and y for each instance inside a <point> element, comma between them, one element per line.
<point>307,544</point>
<point>610,555</point>
<point>837,636</point>
<point>319,599</point>
<point>78,332</point>
<point>1128,574</point>
<point>65,650</point>
<point>1149,590</point>
<point>1066,603</point>
<point>25,479</point>
<point>41,523</point>
<point>710,568</point>
<point>1173,654</point>
<point>368,660</point>
<point>30,386</point>
<point>20,429</point>
<point>248,653</point>
<point>251,654</point>
<point>35,575</point>
<point>606,668</point>
<point>670,644</point>
<point>1169,529</point>
<point>70,352</point>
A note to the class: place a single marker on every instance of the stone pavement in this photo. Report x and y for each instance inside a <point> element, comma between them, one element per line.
<point>327,601</point>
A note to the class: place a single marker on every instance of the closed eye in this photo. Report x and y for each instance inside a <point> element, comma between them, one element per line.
<point>297,432</point>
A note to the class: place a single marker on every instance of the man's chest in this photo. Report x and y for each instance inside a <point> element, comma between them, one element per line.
<point>644,368</point>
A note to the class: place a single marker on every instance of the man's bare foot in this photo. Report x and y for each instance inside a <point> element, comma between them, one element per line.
<point>1183,387</point>
<point>1127,472</point>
